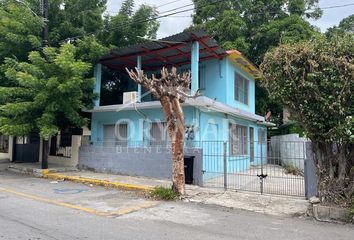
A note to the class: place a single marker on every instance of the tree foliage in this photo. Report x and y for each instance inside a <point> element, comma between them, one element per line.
<point>46,92</point>
<point>255,26</point>
<point>315,80</point>
<point>346,26</point>
<point>129,27</point>
<point>19,30</point>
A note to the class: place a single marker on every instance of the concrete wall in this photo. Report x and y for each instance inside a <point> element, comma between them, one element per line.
<point>288,149</point>
<point>152,162</point>
<point>73,161</point>
<point>8,155</point>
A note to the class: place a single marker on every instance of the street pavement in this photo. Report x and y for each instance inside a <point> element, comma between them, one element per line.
<point>37,209</point>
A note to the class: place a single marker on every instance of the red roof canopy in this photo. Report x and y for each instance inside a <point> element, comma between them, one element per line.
<point>170,51</point>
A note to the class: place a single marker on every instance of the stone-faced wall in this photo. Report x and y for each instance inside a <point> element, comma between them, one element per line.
<point>152,162</point>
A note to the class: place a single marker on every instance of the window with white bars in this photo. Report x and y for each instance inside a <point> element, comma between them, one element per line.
<point>238,140</point>
<point>158,133</point>
<point>116,135</point>
<point>241,89</point>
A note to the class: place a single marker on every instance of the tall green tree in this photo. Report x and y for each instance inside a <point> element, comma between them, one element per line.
<point>315,81</point>
<point>128,26</point>
<point>46,91</point>
<point>254,27</point>
<point>346,26</point>
<point>74,18</point>
<point>20,30</point>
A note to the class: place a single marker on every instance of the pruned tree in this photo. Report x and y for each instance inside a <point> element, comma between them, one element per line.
<point>315,80</point>
<point>171,90</point>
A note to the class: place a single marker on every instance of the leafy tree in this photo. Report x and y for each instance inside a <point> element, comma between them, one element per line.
<point>45,93</point>
<point>74,18</point>
<point>345,26</point>
<point>254,27</point>
<point>20,30</point>
<point>129,27</point>
<point>315,80</point>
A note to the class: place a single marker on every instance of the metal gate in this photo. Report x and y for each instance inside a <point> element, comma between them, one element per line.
<point>273,167</point>
<point>26,149</point>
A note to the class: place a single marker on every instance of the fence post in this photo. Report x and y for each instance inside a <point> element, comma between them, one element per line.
<point>310,172</point>
<point>225,166</point>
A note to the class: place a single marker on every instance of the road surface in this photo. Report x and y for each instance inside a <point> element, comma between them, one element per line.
<point>38,209</point>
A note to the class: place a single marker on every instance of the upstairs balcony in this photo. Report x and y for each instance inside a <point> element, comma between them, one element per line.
<point>185,51</point>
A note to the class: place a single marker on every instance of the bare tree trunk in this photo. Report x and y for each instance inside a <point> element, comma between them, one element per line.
<point>178,154</point>
<point>175,125</point>
<point>335,173</point>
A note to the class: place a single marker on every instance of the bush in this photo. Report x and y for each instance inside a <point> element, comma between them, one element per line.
<point>162,193</point>
<point>291,169</point>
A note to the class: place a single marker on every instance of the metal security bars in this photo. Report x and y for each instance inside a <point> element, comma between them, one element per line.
<point>275,167</point>
<point>272,167</point>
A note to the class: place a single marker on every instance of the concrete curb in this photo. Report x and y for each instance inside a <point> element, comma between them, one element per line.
<point>97,182</point>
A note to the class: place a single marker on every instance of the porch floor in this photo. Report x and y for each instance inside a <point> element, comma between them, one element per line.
<point>276,182</point>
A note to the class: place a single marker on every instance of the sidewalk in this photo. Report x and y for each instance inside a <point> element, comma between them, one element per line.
<point>255,202</point>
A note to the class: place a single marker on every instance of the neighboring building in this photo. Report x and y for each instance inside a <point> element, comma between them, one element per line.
<point>225,112</point>
<point>6,143</point>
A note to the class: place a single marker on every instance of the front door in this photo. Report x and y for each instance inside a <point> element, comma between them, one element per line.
<point>251,144</point>
<point>26,149</point>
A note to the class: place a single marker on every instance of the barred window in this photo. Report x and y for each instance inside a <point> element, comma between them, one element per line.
<point>241,89</point>
<point>158,133</point>
<point>116,135</point>
<point>238,140</point>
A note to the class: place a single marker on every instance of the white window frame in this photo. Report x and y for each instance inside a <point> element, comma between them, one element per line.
<point>238,135</point>
<point>241,90</point>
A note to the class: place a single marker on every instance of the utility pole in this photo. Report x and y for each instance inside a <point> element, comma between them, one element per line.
<point>45,43</point>
<point>45,6</point>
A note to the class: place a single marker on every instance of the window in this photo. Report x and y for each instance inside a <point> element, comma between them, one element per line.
<point>241,89</point>
<point>238,140</point>
<point>4,144</point>
<point>158,133</point>
<point>116,135</point>
<point>261,135</point>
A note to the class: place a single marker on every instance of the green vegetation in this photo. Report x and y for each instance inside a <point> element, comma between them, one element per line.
<point>254,27</point>
<point>162,193</point>
<point>293,170</point>
<point>314,79</point>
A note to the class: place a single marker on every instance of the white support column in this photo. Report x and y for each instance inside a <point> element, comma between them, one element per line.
<point>138,65</point>
<point>195,66</point>
<point>98,77</point>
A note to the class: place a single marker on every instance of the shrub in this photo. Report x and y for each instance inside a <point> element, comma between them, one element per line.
<point>291,169</point>
<point>163,193</point>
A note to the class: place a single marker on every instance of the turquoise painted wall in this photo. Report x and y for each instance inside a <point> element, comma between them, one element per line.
<point>134,119</point>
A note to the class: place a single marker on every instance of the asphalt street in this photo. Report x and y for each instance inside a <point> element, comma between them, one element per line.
<point>32,208</point>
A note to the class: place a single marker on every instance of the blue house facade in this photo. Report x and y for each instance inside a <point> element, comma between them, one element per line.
<point>221,121</point>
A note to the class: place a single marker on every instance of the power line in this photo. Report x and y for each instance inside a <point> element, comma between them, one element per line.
<point>337,6</point>
<point>138,21</point>
<point>165,4</point>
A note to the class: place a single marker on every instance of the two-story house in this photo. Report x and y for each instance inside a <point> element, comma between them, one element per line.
<point>224,113</point>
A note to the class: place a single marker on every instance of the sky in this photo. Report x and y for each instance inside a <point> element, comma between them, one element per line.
<point>177,23</point>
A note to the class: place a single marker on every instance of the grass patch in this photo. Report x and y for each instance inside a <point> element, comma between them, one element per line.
<point>162,193</point>
<point>293,170</point>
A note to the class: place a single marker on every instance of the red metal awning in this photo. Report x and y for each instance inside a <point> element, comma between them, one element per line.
<point>170,51</point>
